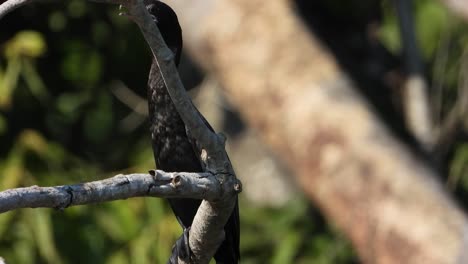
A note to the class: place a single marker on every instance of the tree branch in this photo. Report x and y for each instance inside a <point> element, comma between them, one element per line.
<point>123,186</point>
<point>164,57</point>
<point>11,5</point>
<point>207,230</point>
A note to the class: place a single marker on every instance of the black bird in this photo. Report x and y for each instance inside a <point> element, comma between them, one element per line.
<point>174,150</point>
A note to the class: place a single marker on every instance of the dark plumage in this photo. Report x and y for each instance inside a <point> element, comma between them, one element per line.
<point>173,149</point>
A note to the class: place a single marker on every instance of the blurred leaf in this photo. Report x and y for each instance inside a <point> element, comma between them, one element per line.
<point>389,31</point>
<point>167,231</point>
<point>120,257</point>
<point>3,125</point>
<point>12,170</point>
<point>24,250</point>
<point>34,81</point>
<point>431,19</point>
<point>69,103</point>
<point>57,21</point>
<point>32,140</point>
<point>25,43</point>
<point>41,225</point>
<point>55,154</point>
<point>141,155</point>
<point>459,167</point>
<point>118,221</point>
<point>94,237</point>
<point>98,121</point>
<point>5,219</point>
<point>81,64</point>
<point>8,82</point>
<point>141,246</point>
<point>76,8</point>
<point>155,209</point>
<point>287,248</point>
<point>101,32</point>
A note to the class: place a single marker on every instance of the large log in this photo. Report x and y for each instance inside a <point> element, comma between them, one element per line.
<point>289,88</point>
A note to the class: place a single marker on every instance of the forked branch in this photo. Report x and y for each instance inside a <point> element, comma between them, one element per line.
<point>208,224</point>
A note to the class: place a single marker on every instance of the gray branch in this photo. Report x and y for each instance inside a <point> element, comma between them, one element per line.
<point>207,230</point>
<point>11,5</point>
<point>156,184</point>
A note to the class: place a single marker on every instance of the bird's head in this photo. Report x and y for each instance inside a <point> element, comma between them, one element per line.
<point>168,24</point>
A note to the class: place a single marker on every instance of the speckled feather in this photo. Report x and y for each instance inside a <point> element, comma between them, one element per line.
<point>173,149</point>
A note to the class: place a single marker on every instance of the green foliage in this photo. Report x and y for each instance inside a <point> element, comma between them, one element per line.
<point>431,20</point>
<point>443,40</point>
<point>21,51</point>
<point>291,234</point>
<point>81,64</point>
<point>25,43</point>
<point>459,168</point>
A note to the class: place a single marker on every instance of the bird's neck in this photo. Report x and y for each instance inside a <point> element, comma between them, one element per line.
<point>162,111</point>
<point>157,90</point>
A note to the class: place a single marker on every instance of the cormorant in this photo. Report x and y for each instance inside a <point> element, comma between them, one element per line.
<point>174,150</point>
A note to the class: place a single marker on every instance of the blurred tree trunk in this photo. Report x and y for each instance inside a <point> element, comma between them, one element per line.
<point>460,7</point>
<point>289,88</point>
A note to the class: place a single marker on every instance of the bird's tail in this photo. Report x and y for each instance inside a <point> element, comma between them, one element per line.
<point>228,251</point>
<point>181,248</point>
